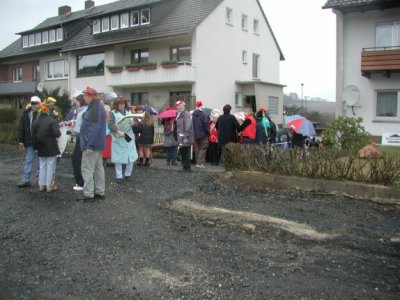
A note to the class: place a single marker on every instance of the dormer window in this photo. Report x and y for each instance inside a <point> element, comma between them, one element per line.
<point>38,38</point>
<point>115,22</point>
<point>45,37</point>
<point>145,16</point>
<point>25,41</point>
<point>31,40</point>
<point>96,26</point>
<point>135,18</point>
<point>124,20</point>
<point>59,34</point>
<point>52,36</point>
<point>105,24</point>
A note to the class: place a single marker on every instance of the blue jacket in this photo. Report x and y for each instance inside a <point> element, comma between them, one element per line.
<point>201,126</point>
<point>93,128</point>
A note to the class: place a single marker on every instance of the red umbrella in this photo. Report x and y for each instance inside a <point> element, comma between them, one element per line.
<point>171,113</point>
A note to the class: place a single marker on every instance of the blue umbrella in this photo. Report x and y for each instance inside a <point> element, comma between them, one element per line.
<point>150,109</point>
<point>300,125</point>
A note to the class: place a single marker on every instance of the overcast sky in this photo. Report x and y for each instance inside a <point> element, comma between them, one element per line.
<point>305,33</point>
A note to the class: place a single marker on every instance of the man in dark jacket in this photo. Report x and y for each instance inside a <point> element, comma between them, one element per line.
<point>25,137</point>
<point>201,130</point>
<point>227,127</point>
<point>184,128</point>
<point>93,140</point>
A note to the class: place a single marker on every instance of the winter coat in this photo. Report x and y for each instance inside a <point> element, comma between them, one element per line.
<point>170,134</point>
<point>261,136</point>
<point>24,132</point>
<point>227,127</point>
<point>271,131</point>
<point>201,128</point>
<point>45,131</point>
<point>184,127</point>
<point>93,128</point>
<point>146,133</point>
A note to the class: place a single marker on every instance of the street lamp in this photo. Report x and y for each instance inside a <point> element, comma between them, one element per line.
<point>302,85</point>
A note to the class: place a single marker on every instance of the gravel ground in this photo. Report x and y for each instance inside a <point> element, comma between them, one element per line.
<point>174,235</point>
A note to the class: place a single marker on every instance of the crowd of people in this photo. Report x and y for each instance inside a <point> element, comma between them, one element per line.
<point>121,135</point>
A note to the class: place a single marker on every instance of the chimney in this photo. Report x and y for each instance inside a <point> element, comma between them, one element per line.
<point>63,10</point>
<point>89,4</point>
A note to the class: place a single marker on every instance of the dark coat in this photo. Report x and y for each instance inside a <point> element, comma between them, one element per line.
<point>261,135</point>
<point>271,131</point>
<point>201,127</point>
<point>45,131</point>
<point>146,133</point>
<point>227,127</point>
<point>24,132</point>
<point>184,129</point>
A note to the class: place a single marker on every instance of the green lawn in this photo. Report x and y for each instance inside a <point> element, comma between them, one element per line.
<point>390,149</point>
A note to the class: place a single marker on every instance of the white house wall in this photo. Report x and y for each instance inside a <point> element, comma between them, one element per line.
<point>217,53</point>
<point>358,33</point>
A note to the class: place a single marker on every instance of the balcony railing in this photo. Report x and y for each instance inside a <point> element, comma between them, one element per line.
<point>16,88</point>
<point>182,74</point>
<point>385,60</point>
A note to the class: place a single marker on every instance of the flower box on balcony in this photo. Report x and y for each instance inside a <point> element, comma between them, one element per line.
<point>149,66</point>
<point>132,68</point>
<point>169,64</point>
<point>115,69</point>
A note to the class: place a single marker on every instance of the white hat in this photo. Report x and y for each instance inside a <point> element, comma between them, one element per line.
<point>35,99</point>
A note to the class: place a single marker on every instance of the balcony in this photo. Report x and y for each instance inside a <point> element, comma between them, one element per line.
<point>380,60</point>
<point>17,88</point>
<point>182,74</point>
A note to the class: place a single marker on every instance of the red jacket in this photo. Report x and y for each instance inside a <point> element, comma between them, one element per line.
<point>250,130</point>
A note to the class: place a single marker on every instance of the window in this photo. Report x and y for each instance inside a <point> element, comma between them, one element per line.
<point>228,16</point>
<point>238,100</point>
<point>135,18</point>
<point>145,16</point>
<point>140,55</point>
<point>45,37</point>
<point>388,34</point>
<point>38,38</point>
<point>31,40</point>
<point>244,57</point>
<point>52,36</point>
<point>105,24</point>
<point>25,41</point>
<point>96,26</point>
<point>256,66</point>
<point>273,105</point>
<point>35,72</point>
<point>124,20</point>
<point>59,34</point>
<point>57,69</point>
<point>256,26</point>
<point>139,98</point>
<point>115,22</point>
<point>244,22</point>
<point>181,54</point>
<point>387,104</point>
<point>92,64</point>
<point>17,74</point>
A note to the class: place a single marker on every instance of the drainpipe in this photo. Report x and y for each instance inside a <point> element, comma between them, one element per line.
<point>339,64</point>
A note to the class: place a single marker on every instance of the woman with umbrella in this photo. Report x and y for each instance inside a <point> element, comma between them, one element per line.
<point>170,135</point>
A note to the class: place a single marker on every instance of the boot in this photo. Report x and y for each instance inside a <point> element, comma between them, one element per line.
<point>147,162</point>
<point>140,162</point>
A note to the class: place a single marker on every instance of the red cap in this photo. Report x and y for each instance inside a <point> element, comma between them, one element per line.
<point>90,91</point>
<point>179,102</point>
<point>262,109</point>
<point>199,103</point>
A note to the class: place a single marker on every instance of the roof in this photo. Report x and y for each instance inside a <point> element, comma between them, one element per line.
<point>361,5</point>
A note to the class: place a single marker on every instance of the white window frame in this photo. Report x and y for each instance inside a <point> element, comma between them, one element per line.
<point>17,74</point>
<point>387,118</point>
<point>38,38</point>
<point>229,16</point>
<point>124,17</point>
<point>105,24</point>
<point>25,41</point>
<point>96,24</point>
<point>51,64</point>
<point>31,40</point>
<point>113,19</point>
<point>256,27</point>
<point>142,15</point>
<point>59,34</point>
<point>52,36</point>
<point>45,37</point>
<point>273,105</point>
<point>244,22</point>
<point>395,33</point>
<point>257,66</point>
<point>238,100</point>
<point>244,57</point>
<point>133,13</point>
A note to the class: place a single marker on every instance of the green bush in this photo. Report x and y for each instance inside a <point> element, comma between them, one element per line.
<point>346,133</point>
<point>332,164</point>
<point>8,115</point>
<point>8,134</point>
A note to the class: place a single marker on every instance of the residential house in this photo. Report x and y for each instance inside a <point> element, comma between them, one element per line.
<point>368,63</point>
<point>225,52</point>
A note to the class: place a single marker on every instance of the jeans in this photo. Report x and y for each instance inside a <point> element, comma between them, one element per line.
<point>47,170</point>
<point>30,157</point>
<point>185,154</point>
<point>171,154</point>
